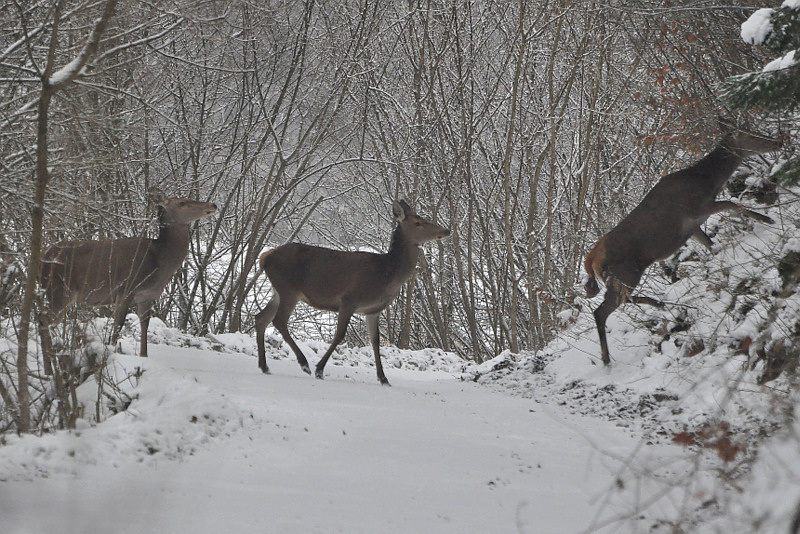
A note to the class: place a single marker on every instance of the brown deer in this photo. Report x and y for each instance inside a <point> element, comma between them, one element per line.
<point>669,214</point>
<point>120,272</point>
<point>343,282</point>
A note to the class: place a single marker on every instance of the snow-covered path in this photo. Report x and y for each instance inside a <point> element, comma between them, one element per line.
<point>430,454</point>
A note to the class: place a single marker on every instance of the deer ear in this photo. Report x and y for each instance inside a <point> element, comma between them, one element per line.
<point>398,210</point>
<point>157,196</point>
<point>725,125</point>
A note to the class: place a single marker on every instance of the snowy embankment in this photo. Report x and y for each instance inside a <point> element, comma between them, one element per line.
<point>704,372</point>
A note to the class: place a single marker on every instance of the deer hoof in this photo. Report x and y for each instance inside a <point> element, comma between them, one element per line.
<point>318,374</point>
<point>265,370</point>
<point>307,370</point>
<point>385,382</point>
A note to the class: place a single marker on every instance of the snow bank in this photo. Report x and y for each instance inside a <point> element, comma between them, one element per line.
<point>169,417</point>
<point>694,372</point>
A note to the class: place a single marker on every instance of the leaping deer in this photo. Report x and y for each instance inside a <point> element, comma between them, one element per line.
<point>343,282</point>
<point>120,272</point>
<point>667,217</point>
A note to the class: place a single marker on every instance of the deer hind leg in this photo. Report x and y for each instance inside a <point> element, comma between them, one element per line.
<point>120,310</point>
<point>375,339</point>
<point>144,310</point>
<point>613,299</point>
<point>341,329</point>
<point>263,318</point>
<point>619,280</point>
<point>281,322</point>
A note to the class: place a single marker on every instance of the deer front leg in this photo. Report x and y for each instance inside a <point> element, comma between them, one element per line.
<point>727,205</point>
<point>639,299</point>
<point>144,310</point>
<point>341,329</point>
<point>375,339</point>
<point>701,237</point>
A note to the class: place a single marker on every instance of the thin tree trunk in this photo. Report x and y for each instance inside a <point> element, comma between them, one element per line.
<point>49,88</point>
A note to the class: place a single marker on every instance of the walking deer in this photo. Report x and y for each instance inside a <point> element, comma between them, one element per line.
<point>343,282</point>
<point>121,272</point>
<point>667,217</point>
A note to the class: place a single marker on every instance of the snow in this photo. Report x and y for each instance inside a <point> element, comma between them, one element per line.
<point>791,4</point>
<point>210,444</point>
<point>783,62</point>
<point>756,28</point>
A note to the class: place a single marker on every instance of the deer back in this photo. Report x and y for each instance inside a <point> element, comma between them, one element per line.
<point>97,272</point>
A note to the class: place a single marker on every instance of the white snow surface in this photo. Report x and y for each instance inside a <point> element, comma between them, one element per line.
<point>210,444</point>
<point>757,27</point>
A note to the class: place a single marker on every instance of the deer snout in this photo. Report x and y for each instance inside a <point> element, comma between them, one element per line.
<point>211,209</point>
<point>445,233</point>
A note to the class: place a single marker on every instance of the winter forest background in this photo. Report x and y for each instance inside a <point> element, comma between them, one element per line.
<point>529,128</point>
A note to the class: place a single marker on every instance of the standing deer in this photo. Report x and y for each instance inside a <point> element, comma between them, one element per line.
<point>669,214</point>
<point>343,282</point>
<point>121,272</point>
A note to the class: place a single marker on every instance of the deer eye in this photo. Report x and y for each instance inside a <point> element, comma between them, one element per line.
<point>417,223</point>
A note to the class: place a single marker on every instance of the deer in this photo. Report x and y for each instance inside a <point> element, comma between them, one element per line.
<point>342,282</point>
<point>120,272</point>
<point>671,213</point>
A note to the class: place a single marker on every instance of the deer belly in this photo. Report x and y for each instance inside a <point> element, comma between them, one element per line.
<point>320,303</point>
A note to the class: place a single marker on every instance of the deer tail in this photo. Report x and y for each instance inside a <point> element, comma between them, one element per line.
<point>262,260</point>
<point>593,264</point>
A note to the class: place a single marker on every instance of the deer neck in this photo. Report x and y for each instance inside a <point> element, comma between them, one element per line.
<point>402,256</point>
<point>718,166</point>
<point>172,244</point>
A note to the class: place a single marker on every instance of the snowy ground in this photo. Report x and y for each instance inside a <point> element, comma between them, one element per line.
<point>211,444</point>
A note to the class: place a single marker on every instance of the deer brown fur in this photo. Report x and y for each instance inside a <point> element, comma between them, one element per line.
<point>672,212</point>
<point>343,282</point>
<point>120,272</point>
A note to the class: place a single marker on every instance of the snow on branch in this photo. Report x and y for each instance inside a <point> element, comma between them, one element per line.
<point>71,70</point>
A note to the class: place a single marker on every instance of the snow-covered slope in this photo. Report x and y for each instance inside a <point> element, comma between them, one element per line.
<point>704,372</point>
